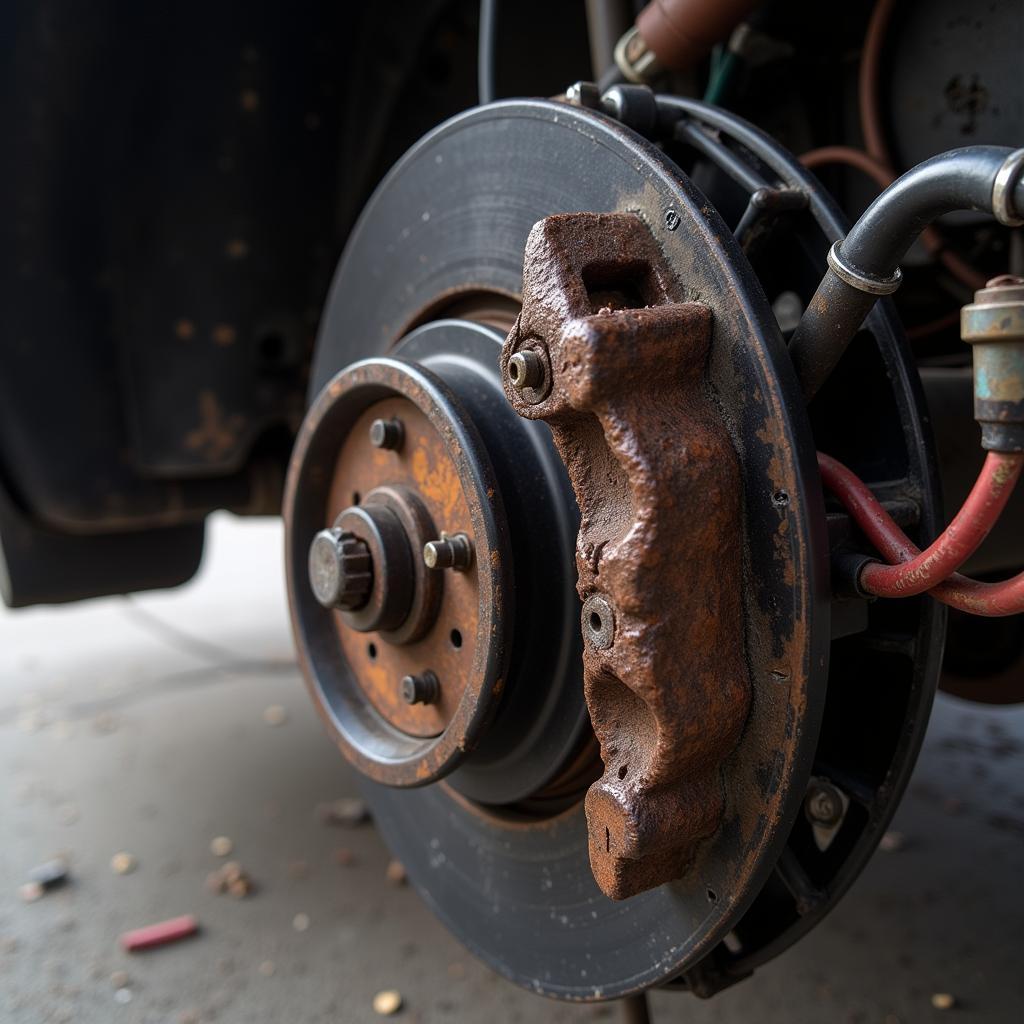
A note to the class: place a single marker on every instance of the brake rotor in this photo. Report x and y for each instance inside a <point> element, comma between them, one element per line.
<point>451,220</point>
<point>496,839</point>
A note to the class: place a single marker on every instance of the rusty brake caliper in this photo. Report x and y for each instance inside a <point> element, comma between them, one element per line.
<point>609,353</point>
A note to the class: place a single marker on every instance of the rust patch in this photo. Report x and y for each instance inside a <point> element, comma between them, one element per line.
<point>216,434</point>
<point>659,549</point>
<point>424,466</point>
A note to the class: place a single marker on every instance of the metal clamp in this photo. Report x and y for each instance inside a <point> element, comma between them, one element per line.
<point>636,62</point>
<point>859,279</point>
<point>1007,179</point>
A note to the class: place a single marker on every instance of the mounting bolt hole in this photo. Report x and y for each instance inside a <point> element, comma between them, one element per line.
<point>355,497</point>
<point>598,622</point>
<point>371,650</point>
<point>622,770</point>
<point>712,896</point>
<point>780,499</point>
<point>456,639</point>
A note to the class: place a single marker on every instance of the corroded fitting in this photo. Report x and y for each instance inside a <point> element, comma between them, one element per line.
<point>525,370</point>
<point>993,325</point>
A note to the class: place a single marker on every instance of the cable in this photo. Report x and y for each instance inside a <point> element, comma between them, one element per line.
<point>485,50</point>
<point>961,592</point>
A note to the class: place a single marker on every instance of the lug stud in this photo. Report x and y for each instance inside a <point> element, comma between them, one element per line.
<point>526,370</point>
<point>387,434</point>
<point>422,689</point>
<point>454,551</point>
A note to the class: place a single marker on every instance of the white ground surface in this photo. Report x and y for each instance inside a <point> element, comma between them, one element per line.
<point>137,725</point>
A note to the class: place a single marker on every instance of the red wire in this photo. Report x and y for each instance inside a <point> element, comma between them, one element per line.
<point>914,572</point>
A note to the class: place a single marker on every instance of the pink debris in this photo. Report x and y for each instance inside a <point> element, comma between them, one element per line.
<point>159,934</point>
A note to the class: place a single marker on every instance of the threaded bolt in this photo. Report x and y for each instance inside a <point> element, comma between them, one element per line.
<point>422,689</point>
<point>453,551</point>
<point>387,434</point>
<point>526,370</point>
<point>340,569</point>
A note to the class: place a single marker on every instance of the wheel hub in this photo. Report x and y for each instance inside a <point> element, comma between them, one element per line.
<point>412,616</point>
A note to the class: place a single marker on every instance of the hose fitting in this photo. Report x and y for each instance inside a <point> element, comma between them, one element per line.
<point>993,325</point>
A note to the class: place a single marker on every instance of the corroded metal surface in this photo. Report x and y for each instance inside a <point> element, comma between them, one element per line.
<point>439,479</point>
<point>420,475</point>
<point>620,380</point>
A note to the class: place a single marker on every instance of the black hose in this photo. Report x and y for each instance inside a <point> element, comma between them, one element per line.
<point>958,180</point>
<point>869,256</point>
<point>486,50</point>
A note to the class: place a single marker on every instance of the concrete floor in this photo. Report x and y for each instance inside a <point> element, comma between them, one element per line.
<point>138,725</point>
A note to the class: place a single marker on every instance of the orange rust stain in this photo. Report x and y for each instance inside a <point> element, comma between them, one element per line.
<point>216,433</point>
<point>436,478</point>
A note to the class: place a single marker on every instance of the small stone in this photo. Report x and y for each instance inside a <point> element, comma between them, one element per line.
<point>300,922</point>
<point>120,979</point>
<point>943,1000</point>
<point>8,944</point>
<point>892,842</point>
<point>395,873</point>
<point>30,892</point>
<point>387,1002</point>
<point>123,996</point>
<point>347,811</point>
<point>344,856</point>
<point>189,1017</point>
<point>239,888</point>
<point>275,715</point>
<point>51,873</point>
<point>123,863</point>
<point>266,968</point>
<point>221,846</point>
<point>456,970</point>
<point>298,869</point>
<point>230,878</point>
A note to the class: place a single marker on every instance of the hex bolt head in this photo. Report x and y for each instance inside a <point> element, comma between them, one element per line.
<point>387,434</point>
<point>526,370</point>
<point>422,689</point>
<point>340,569</point>
<point>598,619</point>
<point>451,551</point>
<point>823,804</point>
